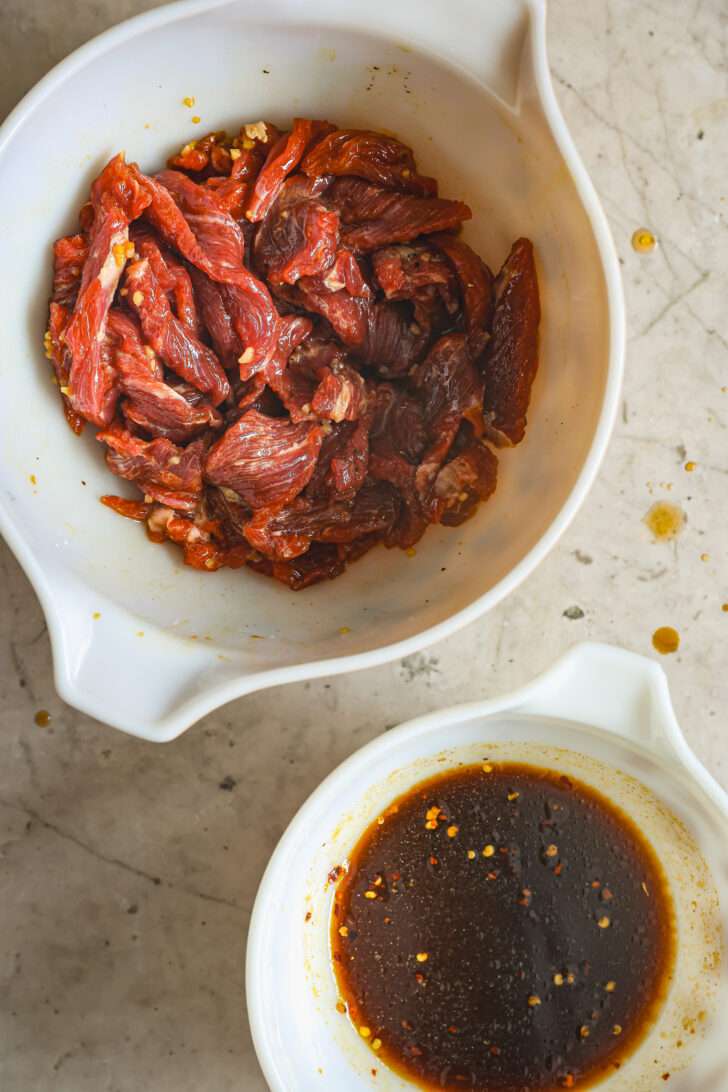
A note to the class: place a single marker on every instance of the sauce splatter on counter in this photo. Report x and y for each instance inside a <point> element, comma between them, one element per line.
<point>666,640</point>
<point>643,241</point>
<point>665,520</point>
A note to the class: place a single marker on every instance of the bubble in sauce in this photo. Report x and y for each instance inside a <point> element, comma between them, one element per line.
<point>666,640</point>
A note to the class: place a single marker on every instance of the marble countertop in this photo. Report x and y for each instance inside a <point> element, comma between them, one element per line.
<point>127,871</point>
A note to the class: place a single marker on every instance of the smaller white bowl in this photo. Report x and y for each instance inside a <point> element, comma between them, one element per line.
<point>600,714</point>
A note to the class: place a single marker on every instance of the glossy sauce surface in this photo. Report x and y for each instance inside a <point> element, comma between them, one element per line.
<point>502,928</point>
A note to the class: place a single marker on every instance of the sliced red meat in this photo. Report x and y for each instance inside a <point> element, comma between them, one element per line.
<point>60,355</point>
<point>229,512</point>
<point>266,460</point>
<point>287,533</point>
<point>321,381</point>
<point>117,198</point>
<point>232,190</point>
<point>419,273</point>
<point>404,268</point>
<point>169,474</point>
<point>216,319</point>
<point>412,522</point>
<point>295,386</point>
<point>198,550</point>
<point>349,465</point>
<point>321,562</point>
<point>293,329</point>
<point>69,256</point>
<point>341,394</point>
<point>174,413</point>
<point>512,357</point>
<point>209,237</point>
<point>462,483</point>
<point>409,528</point>
<point>175,282</point>
<point>347,314</point>
<point>372,217</point>
<point>370,155</point>
<point>397,427</point>
<point>393,342</point>
<point>299,235</point>
<point>211,154</point>
<point>344,272</point>
<point>447,381</point>
<point>476,287</point>
<point>177,346</point>
<point>448,387</point>
<point>334,442</point>
<point>283,158</point>
<point>130,509</point>
<point>189,217</point>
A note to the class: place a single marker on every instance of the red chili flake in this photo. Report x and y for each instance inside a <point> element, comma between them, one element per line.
<point>495,1050</point>
<point>492,875</point>
<point>596,883</point>
<point>415,1050</point>
<point>335,873</point>
<point>433,860</point>
<point>453,1030</point>
<point>558,868</point>
<point>308,916</point>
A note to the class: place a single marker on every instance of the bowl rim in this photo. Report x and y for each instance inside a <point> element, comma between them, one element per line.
<point>182,716</point>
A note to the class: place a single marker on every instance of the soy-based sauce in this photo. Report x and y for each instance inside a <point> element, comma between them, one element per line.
<point>502,928</point>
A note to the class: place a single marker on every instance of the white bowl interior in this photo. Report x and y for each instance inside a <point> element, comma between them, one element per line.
<point>497,153</point>
<point>291,988</point>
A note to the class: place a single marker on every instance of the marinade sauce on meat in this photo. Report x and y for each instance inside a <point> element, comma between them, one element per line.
<point>502,928</point>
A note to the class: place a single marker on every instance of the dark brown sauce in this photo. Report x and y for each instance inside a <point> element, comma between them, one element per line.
<point>502,928</point>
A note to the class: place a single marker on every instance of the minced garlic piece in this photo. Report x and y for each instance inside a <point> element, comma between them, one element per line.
<point>256,131</point>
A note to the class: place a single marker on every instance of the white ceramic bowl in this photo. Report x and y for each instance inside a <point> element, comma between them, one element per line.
<point>600,714</point>
<point>142,642</point>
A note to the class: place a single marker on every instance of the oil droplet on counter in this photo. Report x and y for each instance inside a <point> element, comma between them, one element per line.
<point>666,639</point>
<point>690,467</point>
<point>42,718</point>
<point>665,520</point>
<point>189,101</point>
<point>705,557</point>
<point>643,241</point>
